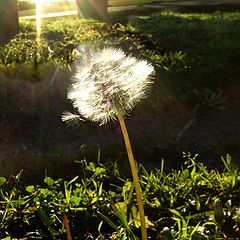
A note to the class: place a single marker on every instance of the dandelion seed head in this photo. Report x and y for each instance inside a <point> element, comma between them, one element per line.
<point>108,82</point>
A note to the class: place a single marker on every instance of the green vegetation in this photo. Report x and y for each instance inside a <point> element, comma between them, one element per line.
<point>58,43</point>
<point>196,52</point>
<point>195,56</point>
<point>191,203</point>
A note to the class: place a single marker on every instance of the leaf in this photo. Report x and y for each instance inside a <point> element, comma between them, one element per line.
<point>43,216</point>
<point>2,180</point>
<point>109,221</point>
<point>123,219</point>
<point>99,171</point>
<point>99,228</point>
<point>100,189</point>
<point>175,212</point>
<point>73,180</point>
<point>44,191</point>
<point>49,181</point>
<point>47,222</point>
<point>6,238</point>
<point>95,199</point>
<point>30,188</point>
<point>166,234</point>
<point>78,208</point>
<point>137,221</point>
<point>195,229</point>
<point>121,206</point>
<point>75,199</point>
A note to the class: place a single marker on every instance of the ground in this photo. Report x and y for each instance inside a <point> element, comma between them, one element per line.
<point>42,141</point>
<point>34,138</point>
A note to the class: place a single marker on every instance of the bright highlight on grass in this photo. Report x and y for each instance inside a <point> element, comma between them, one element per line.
<point>106,85</point>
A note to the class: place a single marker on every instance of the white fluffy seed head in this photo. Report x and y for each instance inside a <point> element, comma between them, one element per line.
<point>107,83</point>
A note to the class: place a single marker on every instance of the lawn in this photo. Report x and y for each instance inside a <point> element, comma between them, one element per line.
<point>196,59</point>
<point>192,203</point>
<point>192,106</point>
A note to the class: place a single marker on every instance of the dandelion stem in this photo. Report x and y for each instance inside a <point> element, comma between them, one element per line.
<point>66,226</point>
<point>136,183</point>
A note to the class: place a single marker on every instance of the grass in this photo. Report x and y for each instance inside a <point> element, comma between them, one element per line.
<point>195,56</point>
<point>196,49</point>
<point>191,203</point>
<point>200,49</point>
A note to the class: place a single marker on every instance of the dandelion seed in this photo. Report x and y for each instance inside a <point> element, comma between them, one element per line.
<point>72,120</point>
<point>108,82</point>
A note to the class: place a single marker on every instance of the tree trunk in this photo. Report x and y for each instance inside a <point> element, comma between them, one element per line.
<point>9,23</point>
<point>96,9</point>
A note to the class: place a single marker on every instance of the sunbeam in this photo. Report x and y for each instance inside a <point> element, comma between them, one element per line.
<point>38,21</point>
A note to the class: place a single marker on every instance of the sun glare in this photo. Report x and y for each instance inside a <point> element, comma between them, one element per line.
<point>44,3</point>
<point>38,21</point>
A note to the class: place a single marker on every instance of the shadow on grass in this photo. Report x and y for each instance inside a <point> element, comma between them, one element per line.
<point>123,16</point>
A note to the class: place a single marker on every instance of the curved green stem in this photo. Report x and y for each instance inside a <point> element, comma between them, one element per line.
<point>136,183</point>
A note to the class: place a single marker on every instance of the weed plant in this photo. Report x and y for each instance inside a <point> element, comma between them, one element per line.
<point>107,84</point>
